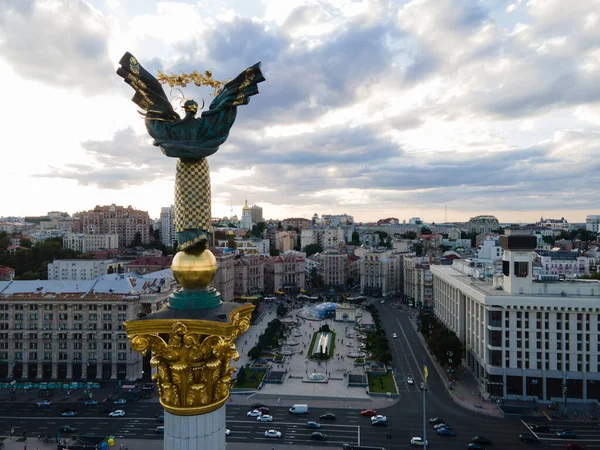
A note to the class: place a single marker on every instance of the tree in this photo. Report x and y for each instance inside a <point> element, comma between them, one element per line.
<point>355,238</point>
<point>25,242</point>
<point>425,230</point>
<point>311,249</point>
<point>274,252</point>
<point>137,240</point>
<point>419,249</point>
<point>241,377</point>
<point>409,235</point>
<point>258,229</point>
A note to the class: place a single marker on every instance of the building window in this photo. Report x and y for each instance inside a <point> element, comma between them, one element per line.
<point>521,269</point>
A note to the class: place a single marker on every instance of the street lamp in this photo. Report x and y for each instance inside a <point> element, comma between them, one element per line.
<point>565,379</point>
<point>306,364</point>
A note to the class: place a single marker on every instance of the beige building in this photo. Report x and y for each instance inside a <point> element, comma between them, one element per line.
<point>334,265</point>
<point>82,269</point>
<point>285,240</point>
<point>380,272</point>
<point>418,280</point>
<point>126,222</point>
<point>295,222</point>
<point>225,279</point>
<point>249,274</point>
<point>285,272</point>
<point>73,330</point>
<point>85,243</point>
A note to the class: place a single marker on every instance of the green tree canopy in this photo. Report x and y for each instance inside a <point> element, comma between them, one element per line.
<point>311,249</point>
<point>409,235</point>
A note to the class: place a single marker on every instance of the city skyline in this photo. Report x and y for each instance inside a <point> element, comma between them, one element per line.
<point>372,109</point>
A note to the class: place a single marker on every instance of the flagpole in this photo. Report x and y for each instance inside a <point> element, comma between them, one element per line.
<point>426,374</point>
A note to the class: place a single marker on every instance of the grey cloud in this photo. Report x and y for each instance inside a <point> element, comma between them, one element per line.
<point>56,46</point>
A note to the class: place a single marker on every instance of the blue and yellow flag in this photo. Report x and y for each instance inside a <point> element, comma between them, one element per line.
<point>425,372</point>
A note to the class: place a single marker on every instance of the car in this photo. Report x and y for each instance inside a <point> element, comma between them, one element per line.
<point>107,409</point>
<point>382,302</point>
<point>257,405</point>
<point>569,434</point>
<point>227,431</point>
<point>67,429</point>
<point>117,413</point>
<point>120,401</point>
<point>316,436</point>
<point>327,416</point>
<point>91,402</point>
<point>418,441</point>
<point>254,413</point>
<point>423,386</point>
<point>69,414</point>
<point>435,420</point>
<point>439,426</point>
<point>273,434</point>
<point>379,423</point>
<point>541,428</point>
<point>311,424</point>
<point>481,440</point>
<point>368,412</point>
<point>528,438</point>
<point>474,446</point>
<point>264,418</point>
<point>394,336</point>
<point>445,432</point>
<point>574,446</point>
<point>160,429</point>
<point>379,418</point>
<point>160,418</point>
<point>410,380</point>
<point>263,410</point>
<point>44,403</point>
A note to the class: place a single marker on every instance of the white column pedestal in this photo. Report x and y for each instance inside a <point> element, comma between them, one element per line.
<point>204,431</point>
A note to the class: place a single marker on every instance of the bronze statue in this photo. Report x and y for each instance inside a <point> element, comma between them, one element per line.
<point>190,139</point>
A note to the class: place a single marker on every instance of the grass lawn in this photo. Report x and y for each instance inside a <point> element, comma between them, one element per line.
<point>330,350</point>
<point>253,379</point>
<point>382,383</point>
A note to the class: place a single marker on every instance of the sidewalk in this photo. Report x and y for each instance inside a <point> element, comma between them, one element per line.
<point>465,391</point>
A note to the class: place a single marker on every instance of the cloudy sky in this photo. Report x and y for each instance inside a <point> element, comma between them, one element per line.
<point>373,108</point>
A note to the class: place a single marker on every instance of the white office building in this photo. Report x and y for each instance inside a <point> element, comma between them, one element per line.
<point>523,338</point>
<point>82,269</point>
<point>167,230</point>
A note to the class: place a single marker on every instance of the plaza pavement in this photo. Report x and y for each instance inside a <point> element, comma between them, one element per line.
<point>293,390</point>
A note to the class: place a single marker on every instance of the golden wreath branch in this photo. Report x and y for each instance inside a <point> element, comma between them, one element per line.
<point>195,77</point>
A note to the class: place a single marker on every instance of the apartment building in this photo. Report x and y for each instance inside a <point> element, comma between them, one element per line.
<point>418,280</point>
<point>562,263</point>
<point>224,281</point>
<point>380,272</point>
<point>249,273</point>
<point>85,243</point>
<point>592,223</point>
<point>82,269</point>
<point>524,338</point>
<point>285,272</point>
<point>167,227</point>
<point>113,219</point>
<point>483,224</point>
<point>73,330</point>
<point>295,222</point>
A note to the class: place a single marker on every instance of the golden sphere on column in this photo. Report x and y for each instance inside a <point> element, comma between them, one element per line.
<point>194,268</point>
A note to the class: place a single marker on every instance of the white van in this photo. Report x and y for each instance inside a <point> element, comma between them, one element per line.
<point>299,409</point>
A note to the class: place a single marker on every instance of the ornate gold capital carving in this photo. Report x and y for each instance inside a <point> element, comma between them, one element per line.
<point>193,363</point>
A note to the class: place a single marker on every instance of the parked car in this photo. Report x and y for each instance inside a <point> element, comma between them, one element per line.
<point>160,429</point>
<point>410,380</point>
<point>541,428</point>
<point>316,436</point>
<point>327,416</point>
<point>528,438</point>
<point>574,446</point>
<point>445,432</point>
<point>90,402</point>
<point>263,409</point>
<point>312,424</point>
<point>44,403</point>
<point>257,405</point>
<point>418,441</point>
<point>67,429</point>
<point>254,413</point>
<point>379,423</point>
<point>368,412</point>
<point>568,434</point>
<point>117,413</point>
<point>481,440</point>
<point>273,434</point>
<point>264,418</point>
<point>120,401</point>
<point>441,426</point>
<point>435,420</point>
<point>69,414</point>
